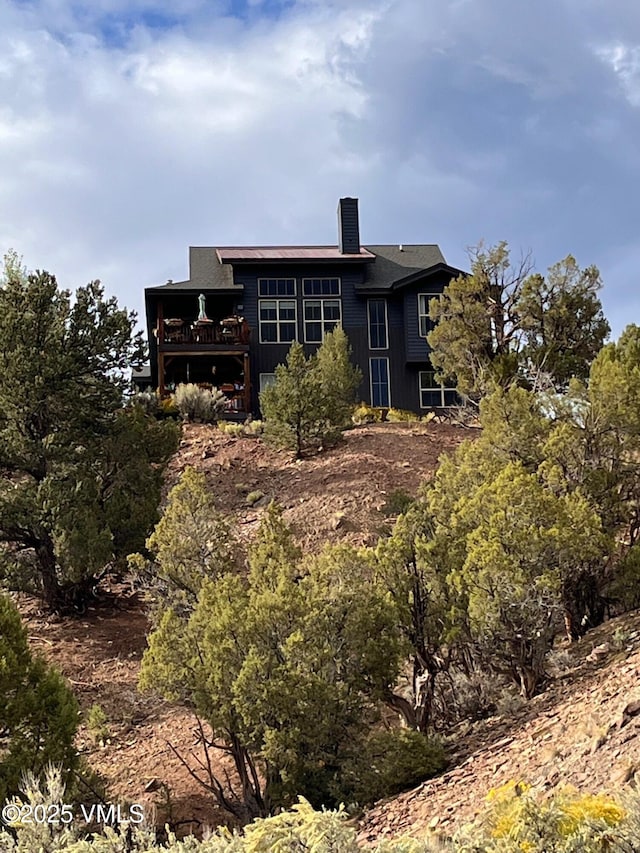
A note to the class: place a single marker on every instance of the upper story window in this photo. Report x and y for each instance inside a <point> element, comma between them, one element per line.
<point>277,321</point>
<point>321,287</point>
<point>378,337</point>
<point>425,321</point>
<point>276,287</point>
<point>321,316</point>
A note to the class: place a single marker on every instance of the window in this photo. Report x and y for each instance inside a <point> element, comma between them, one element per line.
<point>379,372</point>
<point>425,321</point>
<point>266,381</point>
<point>276,287</point>
<point>320,317</point>
<point>433,394</point>
<point>378,324</point>
<point>277,321</point>
<point>321,287</point>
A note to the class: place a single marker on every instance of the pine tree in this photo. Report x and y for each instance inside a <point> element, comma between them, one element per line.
<point>312,398</point>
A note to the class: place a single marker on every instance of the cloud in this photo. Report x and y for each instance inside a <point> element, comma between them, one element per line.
<point>130,129</point>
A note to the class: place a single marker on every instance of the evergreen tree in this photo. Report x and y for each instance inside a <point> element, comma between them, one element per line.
<point>503,325</point>
<point>312,398</point>
<point>339,379</point>
<point>292,406</point>
<point>286,666</point>
<point>81,481</point>
<point>191,542</point>
<point>38,713</point>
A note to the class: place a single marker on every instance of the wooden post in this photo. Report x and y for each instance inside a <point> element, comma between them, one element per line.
<point>247,384</point>
<point>160,342</point>
<point>161,388</point>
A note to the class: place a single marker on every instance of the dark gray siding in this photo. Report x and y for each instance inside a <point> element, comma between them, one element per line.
<point>415,346</point>
<point>348,226</point>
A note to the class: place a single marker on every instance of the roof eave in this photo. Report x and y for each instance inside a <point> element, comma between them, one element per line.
<point>399,283</point>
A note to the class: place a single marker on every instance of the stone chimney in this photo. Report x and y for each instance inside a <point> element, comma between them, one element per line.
<point>348,226</point>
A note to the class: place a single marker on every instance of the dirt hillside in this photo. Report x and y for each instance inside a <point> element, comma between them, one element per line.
<point>576,732</point>
<point>339,495</point>
<point>584,731</point>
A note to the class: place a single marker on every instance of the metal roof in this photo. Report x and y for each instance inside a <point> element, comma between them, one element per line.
<point>289,253</point>
<point>387,266</point>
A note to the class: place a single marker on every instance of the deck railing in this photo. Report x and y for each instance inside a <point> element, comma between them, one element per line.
<point>232,331</point>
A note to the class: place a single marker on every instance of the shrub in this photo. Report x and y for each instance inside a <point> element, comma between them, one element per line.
<point>168,408</point>
<point>402,416</point>
<point>199,404</point>
<point>516,822</point>
<point>364,414</point>
<point>391,761</point>
<point>569,822</point>
<point>231,428</point>
<point>148,401</point>
<point>97,724</point>
<point>249,429</point>
<point>38,713</point>
<point>254,497</point>
<point>398,501</point>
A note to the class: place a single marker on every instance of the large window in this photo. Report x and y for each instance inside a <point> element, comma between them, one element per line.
<point>276,287</point>
<point>426,323</point>
<point>379,375</point>
<point>320,317</point>
<point>378,338</point>
<point>277,321</point>
<point>321,287</point>
<point>433,394</point>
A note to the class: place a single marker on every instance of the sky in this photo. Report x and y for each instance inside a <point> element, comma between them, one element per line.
<point>131,129</point>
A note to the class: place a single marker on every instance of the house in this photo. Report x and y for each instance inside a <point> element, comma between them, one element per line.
<point>233,320</point>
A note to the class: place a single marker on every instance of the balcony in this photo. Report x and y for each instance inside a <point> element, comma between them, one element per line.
<point>175,332</point>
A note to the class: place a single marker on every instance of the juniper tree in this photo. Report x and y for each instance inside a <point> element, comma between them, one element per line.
<point>38,713</point>
<point>285,665</point>
<point>81,477</point>
<point>504,324</point>
<point>191,542</point>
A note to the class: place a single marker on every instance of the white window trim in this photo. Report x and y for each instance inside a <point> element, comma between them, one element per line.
<point>386,324</point>
<point>321,300</point>
<point>442,388</point>
<point>277,278</point>
<point>337,295</point>
<point>379,358</point>
<point>429,296</point>
<point>277,320</point>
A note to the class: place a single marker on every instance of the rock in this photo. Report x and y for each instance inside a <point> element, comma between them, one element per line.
<point>599,651</point>
<point>152,785</point>
<point>599,741</point>
<point>630,710</point>
<point>338,520</point>
<point>623,773</point>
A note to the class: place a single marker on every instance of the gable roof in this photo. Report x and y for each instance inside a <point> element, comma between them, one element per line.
<point>395,266</point>
<point>388,266</point>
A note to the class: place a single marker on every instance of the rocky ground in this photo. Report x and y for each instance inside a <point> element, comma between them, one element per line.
<point>582,731</point>
<point>337,496</point>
